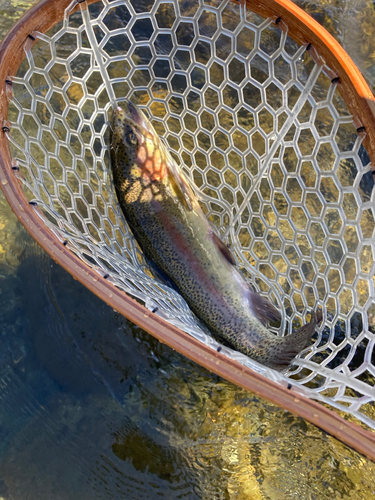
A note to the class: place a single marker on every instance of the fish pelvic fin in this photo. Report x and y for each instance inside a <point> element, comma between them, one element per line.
<point>223,248</point>
<point>291,345</point>
<point>262,308</point>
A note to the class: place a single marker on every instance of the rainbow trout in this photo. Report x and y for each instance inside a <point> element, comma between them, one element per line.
<point>173,232</point>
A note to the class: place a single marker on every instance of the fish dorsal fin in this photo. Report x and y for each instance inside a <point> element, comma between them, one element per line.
<point>262,308</point>
<point>223,249</point>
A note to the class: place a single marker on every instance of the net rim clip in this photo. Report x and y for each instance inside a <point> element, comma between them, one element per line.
<point>9,87</point>
<point>30,39</point>
<point>317,58</point>
<point>281,24</point>
<point>6,126</point>
<point>360,128</point>
<point>15,165</point>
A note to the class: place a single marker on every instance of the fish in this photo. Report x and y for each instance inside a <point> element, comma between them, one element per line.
<point>174,234</point>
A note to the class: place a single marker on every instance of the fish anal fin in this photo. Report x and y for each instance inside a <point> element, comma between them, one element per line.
<point>227,254</point>
<point>296,342</point>
<point>159,274</point>
<point>262,308</point>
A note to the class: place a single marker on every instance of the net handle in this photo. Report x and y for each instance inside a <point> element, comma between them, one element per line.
<point>41,18</point>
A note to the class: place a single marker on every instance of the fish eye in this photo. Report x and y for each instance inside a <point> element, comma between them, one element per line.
<point>131,139</point>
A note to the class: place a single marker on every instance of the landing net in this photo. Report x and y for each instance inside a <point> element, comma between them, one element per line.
<point>256,122</point>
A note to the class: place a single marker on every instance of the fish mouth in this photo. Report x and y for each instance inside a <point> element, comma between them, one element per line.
<point>136,114</point>
<point>131,113</point>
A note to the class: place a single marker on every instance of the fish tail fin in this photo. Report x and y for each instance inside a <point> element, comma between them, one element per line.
<point>293,344</point>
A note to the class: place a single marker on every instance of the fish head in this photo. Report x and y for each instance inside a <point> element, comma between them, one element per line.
<point>133,134</point>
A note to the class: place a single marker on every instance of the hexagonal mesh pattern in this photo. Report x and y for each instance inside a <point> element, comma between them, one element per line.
<point>264,136</point>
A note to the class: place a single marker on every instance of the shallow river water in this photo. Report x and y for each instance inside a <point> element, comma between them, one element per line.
<point>92,407</point>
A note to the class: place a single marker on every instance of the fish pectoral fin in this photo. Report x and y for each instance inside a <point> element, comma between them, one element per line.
<point>182,186</point>
<point>223,249</point>
<point>262,308</point>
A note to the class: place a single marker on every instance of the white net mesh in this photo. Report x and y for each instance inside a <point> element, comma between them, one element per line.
<point>257,125</point>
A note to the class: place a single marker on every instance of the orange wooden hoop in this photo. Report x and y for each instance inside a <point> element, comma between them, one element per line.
<point>361,104</point>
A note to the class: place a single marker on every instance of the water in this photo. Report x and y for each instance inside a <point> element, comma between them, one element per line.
<point>93,408</point>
